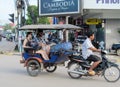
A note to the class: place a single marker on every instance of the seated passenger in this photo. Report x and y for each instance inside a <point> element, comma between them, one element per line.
<point>43,43</point>
<point>27,44</point>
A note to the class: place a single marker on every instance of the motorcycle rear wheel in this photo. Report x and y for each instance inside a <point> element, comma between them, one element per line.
<point>112,74</point>
<point>74,67</point>
<point>51,69</point>
<point>33,67</point>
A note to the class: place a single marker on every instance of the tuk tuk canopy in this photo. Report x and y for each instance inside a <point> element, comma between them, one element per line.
<point>49,27</point>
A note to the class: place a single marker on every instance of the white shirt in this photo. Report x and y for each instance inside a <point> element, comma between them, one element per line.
<point>86,52</point>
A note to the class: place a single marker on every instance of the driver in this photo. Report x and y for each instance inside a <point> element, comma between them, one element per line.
<point>87,52</point>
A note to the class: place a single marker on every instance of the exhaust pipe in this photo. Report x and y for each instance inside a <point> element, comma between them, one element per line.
<point>78,72</point>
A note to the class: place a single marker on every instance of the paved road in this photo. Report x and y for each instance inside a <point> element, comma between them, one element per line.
<point>7,46</point>
<point>13,74</point>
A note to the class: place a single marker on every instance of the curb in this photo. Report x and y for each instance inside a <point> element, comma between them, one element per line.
<point>9,53</point>
<point>6,53</point>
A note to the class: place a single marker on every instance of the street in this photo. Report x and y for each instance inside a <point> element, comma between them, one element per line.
<point>58,21</point>
<point>14,74</point>
<point>7,46</point>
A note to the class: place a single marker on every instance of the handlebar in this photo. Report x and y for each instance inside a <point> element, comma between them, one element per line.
<point>104,52</point>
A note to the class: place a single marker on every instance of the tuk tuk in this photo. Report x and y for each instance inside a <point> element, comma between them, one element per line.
<point>34,62</point>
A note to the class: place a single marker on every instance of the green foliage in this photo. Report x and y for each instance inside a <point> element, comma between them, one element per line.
<point>43,20</point>
<point>33,16</point>
<point>29,21</point>
<point>119,31</point>
<point>7,27</point>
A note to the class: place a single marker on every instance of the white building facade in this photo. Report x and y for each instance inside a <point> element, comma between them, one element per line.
<point>108,11</point>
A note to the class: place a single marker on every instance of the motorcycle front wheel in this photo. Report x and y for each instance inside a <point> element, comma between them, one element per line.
<point>112,74</point>
<point>72,68</point>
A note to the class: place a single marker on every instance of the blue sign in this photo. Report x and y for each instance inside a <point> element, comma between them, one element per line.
<point>56,7</point>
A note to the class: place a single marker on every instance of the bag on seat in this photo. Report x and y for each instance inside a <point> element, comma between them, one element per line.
<point>62,46</point>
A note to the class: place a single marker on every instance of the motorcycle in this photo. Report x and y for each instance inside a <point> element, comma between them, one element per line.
<point>78,67</point>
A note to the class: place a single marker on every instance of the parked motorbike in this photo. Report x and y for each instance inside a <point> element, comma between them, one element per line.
<point>78,67</point>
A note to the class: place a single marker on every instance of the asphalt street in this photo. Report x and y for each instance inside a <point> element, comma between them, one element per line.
<point>7,46</point>
<point>13,74</point>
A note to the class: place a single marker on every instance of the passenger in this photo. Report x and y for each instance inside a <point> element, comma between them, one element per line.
<point>50,36</point>
<point>43,43</point>
<point>27,44</point>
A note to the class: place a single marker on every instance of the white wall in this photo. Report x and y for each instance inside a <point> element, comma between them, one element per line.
<point>100,13</point>
<point>101,4</point>
<point>105,10</point>
<point>112,35</point>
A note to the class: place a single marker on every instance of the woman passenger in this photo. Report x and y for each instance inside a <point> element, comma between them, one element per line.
<point>42,42</point>
<point>27,44</point>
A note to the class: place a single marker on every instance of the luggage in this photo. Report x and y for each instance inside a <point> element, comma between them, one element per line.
<point>62,46</point>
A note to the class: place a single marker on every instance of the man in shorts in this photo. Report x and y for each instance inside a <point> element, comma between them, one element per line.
<point>87,52</point>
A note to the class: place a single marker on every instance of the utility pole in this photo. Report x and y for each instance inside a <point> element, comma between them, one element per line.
<point>20,6</point>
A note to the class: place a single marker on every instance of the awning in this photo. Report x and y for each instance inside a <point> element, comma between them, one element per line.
<point>49,27</point>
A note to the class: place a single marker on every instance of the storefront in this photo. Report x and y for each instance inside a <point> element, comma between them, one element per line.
<point>108,12</point>
<point>60,10</point>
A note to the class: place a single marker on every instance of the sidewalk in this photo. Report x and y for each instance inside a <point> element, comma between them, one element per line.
<point>113,57</point>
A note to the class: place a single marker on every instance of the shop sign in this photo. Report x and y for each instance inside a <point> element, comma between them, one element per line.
<point>101,4</point>
<point>57,7</point>
<point>93,21</point>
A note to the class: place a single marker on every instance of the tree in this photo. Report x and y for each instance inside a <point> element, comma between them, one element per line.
<point>43,20</point>
<point>119,31</point>
<point>33,16</point>
<point>8,27</point>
